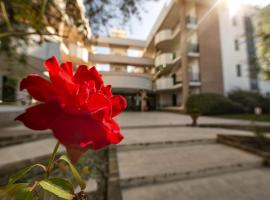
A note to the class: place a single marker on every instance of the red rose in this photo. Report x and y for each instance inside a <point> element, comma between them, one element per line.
<point>78,108</point>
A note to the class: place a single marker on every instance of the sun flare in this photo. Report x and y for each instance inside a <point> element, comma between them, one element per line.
<point>234,6</point>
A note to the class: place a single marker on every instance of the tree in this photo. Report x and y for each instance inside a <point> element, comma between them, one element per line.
<point>20,20</point>
<point>263,34</point>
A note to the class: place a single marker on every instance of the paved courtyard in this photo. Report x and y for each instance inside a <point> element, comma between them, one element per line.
<point>161,158</point>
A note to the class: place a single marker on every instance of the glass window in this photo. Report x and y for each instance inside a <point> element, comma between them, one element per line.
<point>238,70</point>
<point>101,50</point>
<point>236,45</point>
<point>103,67</point>
<point>134,53</point>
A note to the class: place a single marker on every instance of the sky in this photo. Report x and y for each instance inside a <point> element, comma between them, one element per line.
<point>134,27</point>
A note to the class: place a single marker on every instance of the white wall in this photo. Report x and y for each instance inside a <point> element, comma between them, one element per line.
<point>231,57</point>
<point>127,80</point>
<point>45,50</point>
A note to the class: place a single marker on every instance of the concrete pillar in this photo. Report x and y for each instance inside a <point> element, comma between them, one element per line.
<point>1,88</point>
<point>184,58</point>
<point>143,101</point>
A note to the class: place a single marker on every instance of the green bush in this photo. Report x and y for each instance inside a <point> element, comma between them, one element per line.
<point>249,100</point>
<point>212,104</point>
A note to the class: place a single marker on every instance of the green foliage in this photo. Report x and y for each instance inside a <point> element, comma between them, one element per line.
<point>20,20</point>
<point>74,172</point>
<point>23,172</point>
<point>263,33</point>
<point>211,104</point>
<point>249,100</point>
<point>59,187</point>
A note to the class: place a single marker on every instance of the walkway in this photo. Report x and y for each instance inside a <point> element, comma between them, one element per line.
<point>174,162</point>
<point>160,158</point>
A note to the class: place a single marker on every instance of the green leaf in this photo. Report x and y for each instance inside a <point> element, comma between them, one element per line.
<point>59,187</point>
<point>11,189</point>
<point>74,172</point>
<point>17,191</point>
<point>24,193</point>
<point>24,171</point>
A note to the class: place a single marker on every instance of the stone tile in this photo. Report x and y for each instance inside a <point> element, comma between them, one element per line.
<point>128,119</point>
<point>246,185</point>
<point>148,135</point>
<point>150,162</point>
<point>27,151</point>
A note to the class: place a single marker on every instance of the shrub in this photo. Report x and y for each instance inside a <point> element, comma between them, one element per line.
<point>249,100</point>
<point>212,104</point>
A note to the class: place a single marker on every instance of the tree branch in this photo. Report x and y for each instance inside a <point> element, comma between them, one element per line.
<point>13,33</point>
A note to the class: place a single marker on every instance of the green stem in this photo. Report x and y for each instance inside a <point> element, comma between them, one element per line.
<point>52,158</point>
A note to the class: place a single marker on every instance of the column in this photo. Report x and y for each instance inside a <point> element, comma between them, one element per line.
<point>1,87</point>
<point>184,59</point>
<point>143,101</point>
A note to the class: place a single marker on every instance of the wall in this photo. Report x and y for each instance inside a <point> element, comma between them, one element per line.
<point>210,52</point>
<point>231,57</point>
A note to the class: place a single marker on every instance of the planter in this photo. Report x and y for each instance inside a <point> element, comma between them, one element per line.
<point>194,117</point>
<point>252,144</point>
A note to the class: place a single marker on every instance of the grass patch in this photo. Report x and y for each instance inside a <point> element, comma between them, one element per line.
<point>262,118</point>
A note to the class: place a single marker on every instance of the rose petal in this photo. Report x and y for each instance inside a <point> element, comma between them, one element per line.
<point>41,116</point>
<point>107,90</point>
<point>68,68</point>
<point>83,130</point>
<point>60,79</point>
<point>39,88</point>
<point>52,66</point>
<point>83,74</point>
<point>119,104</point>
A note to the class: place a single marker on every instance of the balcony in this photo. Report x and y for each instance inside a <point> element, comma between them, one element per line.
<point>194,79</point>
<point>121,59</point>
<point>74,53</point>
<point>194,50</point>
<point>192,22</point>
<point>128,82</point>
<point>167,59</point>
<point>166,37</point>
<point>167,83</point>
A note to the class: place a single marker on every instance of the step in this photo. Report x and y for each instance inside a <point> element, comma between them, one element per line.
<point>174,134</point>
<point>147,166</point>
<point>246,185</point>
<point>16,157</point>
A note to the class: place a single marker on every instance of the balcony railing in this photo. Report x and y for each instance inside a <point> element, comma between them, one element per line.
<point>193,50</point>
<point>167,59</point>
<point>166,35</point>
<point>191,22</point>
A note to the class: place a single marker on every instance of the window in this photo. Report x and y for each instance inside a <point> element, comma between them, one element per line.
<point>238,70</point>
<point>103,67</point>
<point>234,21</point>
<point>236,45</point>
<point>134,53</point>
<point>101,50</point>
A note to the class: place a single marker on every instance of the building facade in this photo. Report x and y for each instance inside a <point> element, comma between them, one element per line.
<point>194,47</point>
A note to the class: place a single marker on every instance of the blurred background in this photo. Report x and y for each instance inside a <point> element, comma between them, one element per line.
<point>178,63</point>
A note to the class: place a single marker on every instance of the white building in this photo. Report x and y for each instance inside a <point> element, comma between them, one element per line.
<point>238,48</point>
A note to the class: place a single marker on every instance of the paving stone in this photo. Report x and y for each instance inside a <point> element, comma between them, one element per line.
<point>247,185</point>
<point>151,162</point>
<point>27,151</point>
<point>152,135</point>
<point>138,119</point>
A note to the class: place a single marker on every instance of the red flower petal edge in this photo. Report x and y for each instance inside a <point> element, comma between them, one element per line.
<point>77,107</point>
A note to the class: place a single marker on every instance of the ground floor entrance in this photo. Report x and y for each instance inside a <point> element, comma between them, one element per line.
<point>134,101</point>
